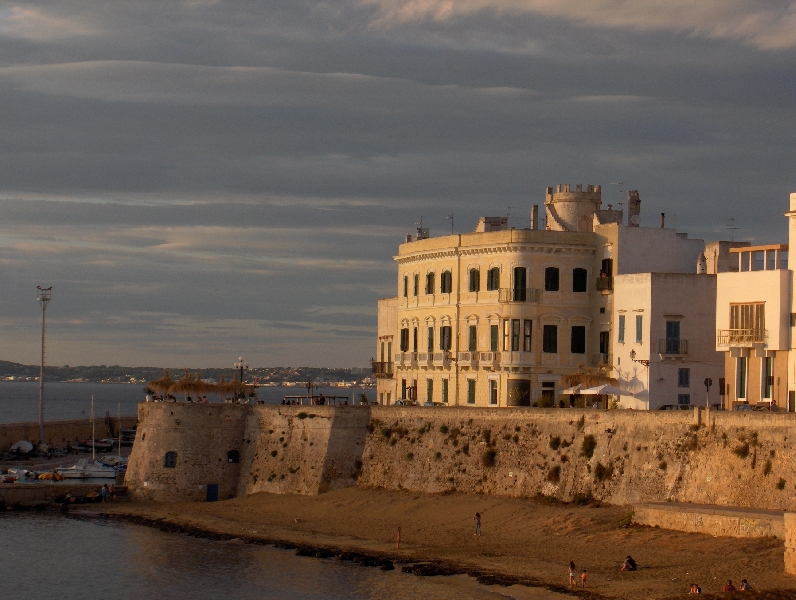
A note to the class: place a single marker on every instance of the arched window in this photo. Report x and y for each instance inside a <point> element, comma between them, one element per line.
<point>551,279</point>
<point>430,283</point>
<point>579,280</point>
<point>493,279</point>
<point>233,457</point>
<point>170,460</point>
<point>445,282</point>
<point>475,280</point>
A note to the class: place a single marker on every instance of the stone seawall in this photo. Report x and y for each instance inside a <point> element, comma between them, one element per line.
<point>58,433</point>
<point>621,457</point>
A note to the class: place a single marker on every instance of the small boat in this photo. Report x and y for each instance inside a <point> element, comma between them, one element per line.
<point>87,469</point>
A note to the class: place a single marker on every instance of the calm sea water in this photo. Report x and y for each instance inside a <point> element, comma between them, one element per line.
<point>19,401</point>
<point>52,557</point>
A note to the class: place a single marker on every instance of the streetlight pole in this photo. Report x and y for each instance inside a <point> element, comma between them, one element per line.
<point>43,295</point>
<point>241,364</point>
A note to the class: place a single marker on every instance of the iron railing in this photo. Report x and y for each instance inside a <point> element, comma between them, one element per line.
<point>672,347</point>
<point>741,337</point>
<point>605,284</point>
<point>382,370</point>
<point>519,295</point>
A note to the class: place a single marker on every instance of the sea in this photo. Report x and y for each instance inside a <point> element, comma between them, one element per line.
<point>19,400</point>
<point>56,557</point>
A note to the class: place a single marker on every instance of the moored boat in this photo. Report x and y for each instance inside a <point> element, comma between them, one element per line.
<point>87,469</point>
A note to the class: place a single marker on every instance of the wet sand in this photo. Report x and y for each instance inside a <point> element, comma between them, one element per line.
<point>523,541</point>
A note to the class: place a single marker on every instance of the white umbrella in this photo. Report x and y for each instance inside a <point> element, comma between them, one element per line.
<point>607,390</point>
<point>575,389</point>
<point>22,446</point>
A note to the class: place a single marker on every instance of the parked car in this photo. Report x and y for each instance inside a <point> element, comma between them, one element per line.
<point>742,407</point>
<point>716,407</point>
<point>676,407</point>
<point>404,403</point>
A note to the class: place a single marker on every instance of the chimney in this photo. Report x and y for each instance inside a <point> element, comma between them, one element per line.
<point>702,264</point>
<point>633,209</point>
<point>535,217</point>
<point>408,238</point>
<point>663,220</point>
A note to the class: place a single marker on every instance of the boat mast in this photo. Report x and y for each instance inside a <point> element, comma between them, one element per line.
<point>92,427</point>
<point>119,425</point>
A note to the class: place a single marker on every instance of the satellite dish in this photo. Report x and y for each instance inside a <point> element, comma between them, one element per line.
<point>634,220</point>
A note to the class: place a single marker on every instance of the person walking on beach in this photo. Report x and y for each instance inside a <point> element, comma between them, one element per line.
<point>477,524</point>
<point>572,581</point>
<point>398,540</point>
<point>583,579</point>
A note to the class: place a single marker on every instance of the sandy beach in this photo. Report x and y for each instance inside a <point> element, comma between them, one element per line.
<point>523,541</point>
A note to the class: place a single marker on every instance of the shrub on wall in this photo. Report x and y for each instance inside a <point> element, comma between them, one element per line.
<point>555,442</point>
<point>781,484</point>
<point>601,472</point>
<point>588,446</point>
<point>488,458</point>
<point>742,451</point>
<point>554,475</point>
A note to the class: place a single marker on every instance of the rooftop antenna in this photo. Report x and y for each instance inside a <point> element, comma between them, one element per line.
<point>732,227</point>
<point>43,295</point>
<point>450,216</point>
<point>508,214</point>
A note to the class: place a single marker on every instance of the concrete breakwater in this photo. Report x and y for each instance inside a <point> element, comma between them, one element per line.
<point>620,457</point>
<point>58,433</point>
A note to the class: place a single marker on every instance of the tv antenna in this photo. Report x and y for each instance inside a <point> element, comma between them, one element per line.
<point>621,185</point>
<point>508,214</point>
<point>450,216</point>
<point>43,295</point>
<point>732,228</point>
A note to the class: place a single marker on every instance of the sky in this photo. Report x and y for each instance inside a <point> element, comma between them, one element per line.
<point>201,180</point>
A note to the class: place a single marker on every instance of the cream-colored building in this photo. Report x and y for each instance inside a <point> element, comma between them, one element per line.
<point>495,317</point>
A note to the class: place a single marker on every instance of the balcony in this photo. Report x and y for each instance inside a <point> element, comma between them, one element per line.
<point>741,337</point>
<point>600,360</point>
<point>506,295</point>
<point>672,347</point>
<point>468,360</point>
<point>441,359</point>
<point>381,370</point>
<point>516,359</point>
<point>401,359</point>
<point>424,359</point>
<point>489,360</point>
<point>605,284</point>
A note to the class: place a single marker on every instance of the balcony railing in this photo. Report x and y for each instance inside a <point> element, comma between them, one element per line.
<point>741,337</point>
<point>672,347</point>
<point>468,359</point>
<point>600,360</point>
<point>489,360</point>
<point>605,284</point>
<point>382,370</point>
<point>519,295</point>
<point>441,359</point>
<point>516,359</point>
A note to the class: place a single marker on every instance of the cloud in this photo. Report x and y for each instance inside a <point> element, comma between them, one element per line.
<point>34,24</point>
<point>765,25</point>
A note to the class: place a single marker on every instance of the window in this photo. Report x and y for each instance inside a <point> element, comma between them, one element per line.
<point>621,332</point>
<point>471,391</point>
<point>493,338</point>
<point>579,280</point>
<point>749,318</point>
<point>607,267</point>
<point>414,339</point>
<point>445,283</point>
<point>768,377</point>
<point>445,337</point>
<point>639,328</point>
<point>578,340</point>
<point>551,279</point>
<point>683,398</point>
<point>429,390</point>
<point>406,286</point>
<point>515,335</point>
<point>445,391</point>
<point>405,339</point>
<point>473,339</point>
<point>429,283</point>
<point>605,342</point>
<point>506,335</point>
<point>431,339</point>
<point>672,337</point>
<point>170,460</point>
<point>233,457</point>
<point>548,394</point>
<point>526,335</point>
<point>493,392</point>
<point>475,280</point>
<point>417,283</point>
<point>403,389</point>
<point>493,279</point>
<point>520,282</point>
<point>740,369</point>
<point>684,378</point>
<point>550,339</point>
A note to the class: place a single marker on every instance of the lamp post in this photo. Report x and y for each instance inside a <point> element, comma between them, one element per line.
<point>646,363</point>
<point>241,364</point>
<point>43,295</point>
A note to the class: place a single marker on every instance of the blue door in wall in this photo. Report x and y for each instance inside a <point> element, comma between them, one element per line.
<point>212,492</point>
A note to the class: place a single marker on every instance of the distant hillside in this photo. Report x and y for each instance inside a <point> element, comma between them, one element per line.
<point>119,374</point>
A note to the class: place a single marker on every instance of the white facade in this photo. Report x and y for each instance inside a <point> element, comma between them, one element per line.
<point>663,339</point>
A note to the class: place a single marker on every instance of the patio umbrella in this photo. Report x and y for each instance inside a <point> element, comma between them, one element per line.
<point>575,389</point>
<point>163,384</point>
<point>588,380</point>
<point>606,390</point>
<point>183,386</point>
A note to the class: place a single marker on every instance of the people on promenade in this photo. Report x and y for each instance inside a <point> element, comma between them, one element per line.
<point>695,589</point>
<point>477,524</point>
<point>398,540</point>
<point>629,564</point>
<point>583,579</point>
<point>729,587</point>
<point>104,492</point>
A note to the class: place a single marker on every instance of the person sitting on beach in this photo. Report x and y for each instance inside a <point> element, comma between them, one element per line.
<point>695,589</point>
<point>572,573</point>
<point>729,587</point>
<point>745,587</point>
<point>629,564</point>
